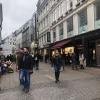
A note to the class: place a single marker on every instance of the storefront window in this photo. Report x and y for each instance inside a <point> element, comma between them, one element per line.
<point>69,50</point>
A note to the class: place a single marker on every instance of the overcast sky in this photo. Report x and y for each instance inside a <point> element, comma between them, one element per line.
<point>16,13</point>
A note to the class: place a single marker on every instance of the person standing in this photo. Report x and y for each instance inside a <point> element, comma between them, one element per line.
<point>57,66</point>
<point>26,70</point>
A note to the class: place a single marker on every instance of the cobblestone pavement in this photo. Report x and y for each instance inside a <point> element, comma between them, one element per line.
<point>74,85</point>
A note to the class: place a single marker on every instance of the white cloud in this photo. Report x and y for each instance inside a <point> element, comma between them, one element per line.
<point>16,13</point>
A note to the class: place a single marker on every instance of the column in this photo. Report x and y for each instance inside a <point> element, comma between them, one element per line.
<point>90,17</point>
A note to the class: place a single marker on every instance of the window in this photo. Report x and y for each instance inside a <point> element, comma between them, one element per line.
<point>44,38</point>
<point>54,34</point>
<point>71,4</point>
<point>97,10</point>
<point>83,18</point>
<point>61,31</point>
<point>48,37</point>
<point>70,24</point>
<point>10,43</point>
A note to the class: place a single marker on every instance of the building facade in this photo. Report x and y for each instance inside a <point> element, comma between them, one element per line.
<point>18,34</point>
<point>1,19</point>
<point>9,45</point>
<point>26,35</point>
<point>34,35</point>
<point>68,25</point>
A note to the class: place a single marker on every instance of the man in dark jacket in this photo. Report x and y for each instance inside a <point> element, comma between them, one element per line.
<point>26,69</point>
<point>57,66</point>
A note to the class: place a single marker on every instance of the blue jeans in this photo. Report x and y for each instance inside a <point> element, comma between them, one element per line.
<point>24,77</point>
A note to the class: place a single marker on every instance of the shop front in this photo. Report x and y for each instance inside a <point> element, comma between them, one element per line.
<point>98,52</point>
<point>88,43</point>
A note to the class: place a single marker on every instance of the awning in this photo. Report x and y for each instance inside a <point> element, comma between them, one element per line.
<point>60,44</point>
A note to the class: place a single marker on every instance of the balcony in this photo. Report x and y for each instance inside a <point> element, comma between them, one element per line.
<point>67,13</point>
<point>80,2</point>
<point>60,18</point>
<point>70,9</point>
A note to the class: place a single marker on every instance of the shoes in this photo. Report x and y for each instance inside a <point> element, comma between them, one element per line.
<point>26,90</point>
<point>37,68</point>
<point>56,81</point>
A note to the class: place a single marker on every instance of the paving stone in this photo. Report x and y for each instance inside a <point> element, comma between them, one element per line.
<point>73,85</point>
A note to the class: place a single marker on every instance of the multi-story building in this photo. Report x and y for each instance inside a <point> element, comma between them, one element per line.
<point>34,35</point>
<point>70,25</point>
<point>26,35</point>
<point>1,19</point>
<point>18,34</point>
<point>9,45</point>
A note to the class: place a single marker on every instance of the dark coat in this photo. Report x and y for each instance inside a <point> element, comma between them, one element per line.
<point>57,63</point>
<point>75,59</point>
<point>27,62</point>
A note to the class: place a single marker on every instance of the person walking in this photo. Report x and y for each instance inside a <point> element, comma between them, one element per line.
<point>74,61</point>
<point>63,60</point>
<point>36,58</point>
<point>19,62</point>
<point>26,70</point>
<point>81,60</point>
<point>57,66</point>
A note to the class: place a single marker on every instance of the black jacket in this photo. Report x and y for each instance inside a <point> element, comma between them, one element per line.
<point>27,62</point>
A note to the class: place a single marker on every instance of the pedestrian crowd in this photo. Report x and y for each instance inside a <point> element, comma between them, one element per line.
<point>6,64</point>
<point>27,61</point>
